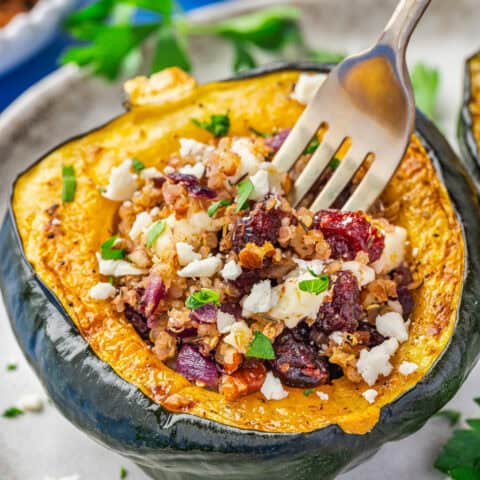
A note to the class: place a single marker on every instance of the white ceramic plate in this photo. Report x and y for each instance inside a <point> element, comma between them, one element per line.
<point>69,102</point>
<point>28,32</point>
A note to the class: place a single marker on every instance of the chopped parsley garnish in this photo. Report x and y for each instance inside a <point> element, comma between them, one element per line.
<point>312,146</point>
<point>261,347</point>
<point>137,165</point>
<point>107,251</point>
<point>12,412</point>
<point>218,126</point>
<point>316,285</point>
<point>11,367</point>
<point>155,231</point>
<point>245,189</point>
<point>309,391</point>
<point>69,183</point>
<point>259,133</point>
<point>202,297</point>
<point>334,164</point>
<point>110,280</point>
<point>123,472</point>
<point>212,209</point>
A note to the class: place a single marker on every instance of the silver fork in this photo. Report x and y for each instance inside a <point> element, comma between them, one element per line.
<point>367,98</point>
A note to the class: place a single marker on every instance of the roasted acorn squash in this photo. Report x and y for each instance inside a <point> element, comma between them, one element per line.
<point>469,123</point>
<point>104,378</point>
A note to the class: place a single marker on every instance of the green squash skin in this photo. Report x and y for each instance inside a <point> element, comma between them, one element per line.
<point>466,139</point>
<point>184,447</point>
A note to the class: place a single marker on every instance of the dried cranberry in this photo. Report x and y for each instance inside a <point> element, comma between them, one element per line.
<point>375,337</point>
<point>206,313</point>
<point>348,233</point>
<point>192,184</point>
<point>343,312</point>
<point>298,364</point>
<point>406,300</point>
<point>246,280</point>
<point>158,181</point>
<point>402,275</point>
<point>138,320</point>
<point>277,140</point>
<point>233,308</point>
<point>259,226</point>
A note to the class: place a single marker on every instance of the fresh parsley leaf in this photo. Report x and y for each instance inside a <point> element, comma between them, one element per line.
<point>261,347</point>
<point>453,416</point>
<point>12,412</point>
<point>326,56</point>
<point>265,28</point>
<point>312,146</point>
<point>243,59</point>
<point>245,189</point>
<point>107,251</point>
<point>110,280</point>
<point>11,367</point>
<point>69,183</point>
<point>315,285</point>
<point>212,209</point>
<point>155,231</point>
<point>123,472</point>
<point>426,84</point>
<point>170,50</point>
<point>110,46</point>
<point>84,23</point>
<point>334,164</point>
<point>308,391</point>
<point>202,297</point>
<point>259,133</point>
<point>137,165</point>
<point>459,457</point>
<point>218,125</point>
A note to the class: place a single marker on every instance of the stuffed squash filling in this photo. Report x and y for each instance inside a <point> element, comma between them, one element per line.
<point>238,291</point>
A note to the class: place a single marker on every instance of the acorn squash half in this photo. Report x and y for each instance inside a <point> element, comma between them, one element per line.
<point>104,378</point>
<point>469,122</point>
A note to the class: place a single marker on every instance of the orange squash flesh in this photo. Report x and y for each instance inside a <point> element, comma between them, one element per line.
<point>150,131</point>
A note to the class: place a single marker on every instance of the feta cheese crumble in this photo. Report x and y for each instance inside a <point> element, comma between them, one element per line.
<point>117,268</point>
<point>391,324</point>
<point>122,183</point>
<point>249,161</point>
<point>294,304</point>
<point>231,270</point>
<point>306,87</point>
<point>186,253</point>
<point>141,224</point>
<point>394,251</point>
<point>192,148</point>
<point>322,396</point>
<point>31,403</point>
<point>196,170</point>
<point>272,388</point>
<point>102,291</point>
<point>261,185</point>
<point>376,361</point>
<point>225,321</point>
<point>206,267</point>
<point>407,368</point>
<point>363,273</point>
<point>149,173</point>
<point>336,337</point>
<point>370,395</point>
<point>260,300</point>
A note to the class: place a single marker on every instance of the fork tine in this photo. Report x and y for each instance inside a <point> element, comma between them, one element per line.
<point>339,180</point>
<point>301,135</point>
<point>320,159</point>
<point>371,186</point>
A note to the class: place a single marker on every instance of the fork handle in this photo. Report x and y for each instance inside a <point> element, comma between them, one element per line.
<point>399,29</point>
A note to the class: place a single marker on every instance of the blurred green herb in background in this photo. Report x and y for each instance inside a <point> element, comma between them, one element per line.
<point>460,456</point>
<point>112,37</point>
